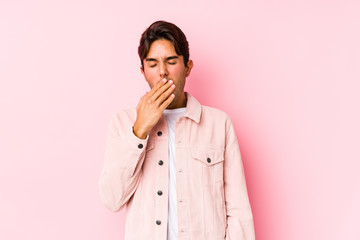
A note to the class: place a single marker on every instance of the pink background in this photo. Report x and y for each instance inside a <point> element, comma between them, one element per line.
<point>286,72</point>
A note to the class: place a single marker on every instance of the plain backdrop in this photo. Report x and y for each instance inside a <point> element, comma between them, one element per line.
<point>287,73</point>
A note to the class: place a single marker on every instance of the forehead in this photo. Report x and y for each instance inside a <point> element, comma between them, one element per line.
<point>161,48</point>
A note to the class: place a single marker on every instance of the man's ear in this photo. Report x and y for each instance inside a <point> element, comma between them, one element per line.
<point>142,69</point>
<point>189,66</point>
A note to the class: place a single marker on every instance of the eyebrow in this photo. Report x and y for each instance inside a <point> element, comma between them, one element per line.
<point>167,59</point>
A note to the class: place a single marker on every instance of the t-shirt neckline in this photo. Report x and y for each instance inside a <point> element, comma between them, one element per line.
<point>175,110</point>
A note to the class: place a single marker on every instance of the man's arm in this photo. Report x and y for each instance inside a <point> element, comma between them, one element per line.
<point>121,172</point>
<point>239,218</point>
<point>125,149</point>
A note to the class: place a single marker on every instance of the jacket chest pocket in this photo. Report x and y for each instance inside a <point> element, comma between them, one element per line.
<point>209,163</point>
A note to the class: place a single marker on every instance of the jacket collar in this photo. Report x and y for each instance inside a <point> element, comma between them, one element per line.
<point>193,108</point>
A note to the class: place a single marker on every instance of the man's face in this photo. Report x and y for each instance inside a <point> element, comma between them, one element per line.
<point>163,62</point>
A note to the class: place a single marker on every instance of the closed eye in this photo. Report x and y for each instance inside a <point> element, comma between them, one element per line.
<point>171,63</point>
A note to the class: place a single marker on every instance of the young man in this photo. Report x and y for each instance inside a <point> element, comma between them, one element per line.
<point>173,162</point>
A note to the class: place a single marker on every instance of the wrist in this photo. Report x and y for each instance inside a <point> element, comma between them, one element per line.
<point>139,132</point>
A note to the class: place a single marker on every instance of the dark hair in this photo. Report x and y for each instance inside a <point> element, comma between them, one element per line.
<point>163,30</point>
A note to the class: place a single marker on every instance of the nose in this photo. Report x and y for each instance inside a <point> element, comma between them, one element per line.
<point>163,70</point>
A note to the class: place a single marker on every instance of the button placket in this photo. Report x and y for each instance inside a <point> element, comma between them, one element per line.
<point>160,192</point>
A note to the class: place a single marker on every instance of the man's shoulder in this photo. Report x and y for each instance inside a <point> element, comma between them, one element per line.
<point>213,112</point>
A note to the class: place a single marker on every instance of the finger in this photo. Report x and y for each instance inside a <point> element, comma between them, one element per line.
<point>167,102</point>
<point>157,86</point>
<point>164,95</point>
<point>161,90</point>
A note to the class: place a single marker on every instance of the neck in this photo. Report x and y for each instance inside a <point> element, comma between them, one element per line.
<point>181,102</point>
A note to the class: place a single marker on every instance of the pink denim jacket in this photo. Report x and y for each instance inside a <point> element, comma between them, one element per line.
<point>212,198</point>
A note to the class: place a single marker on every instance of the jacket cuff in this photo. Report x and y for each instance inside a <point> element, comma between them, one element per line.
<point>138,143</point>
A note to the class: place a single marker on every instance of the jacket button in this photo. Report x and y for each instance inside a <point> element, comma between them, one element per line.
<point>140,146</point>
<point>159,192</point>
<point>208,160</point>
<point>159,133</point>
<point>158,222</point>
<point>161,162</point>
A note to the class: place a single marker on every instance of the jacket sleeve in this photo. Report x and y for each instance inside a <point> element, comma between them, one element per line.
<point>239,216</point>
<point>121,172</point>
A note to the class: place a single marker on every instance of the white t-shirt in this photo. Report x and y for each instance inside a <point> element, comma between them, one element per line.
<point>171,116</point>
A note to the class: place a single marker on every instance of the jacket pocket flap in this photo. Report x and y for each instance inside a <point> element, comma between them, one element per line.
<point>208,155</point>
